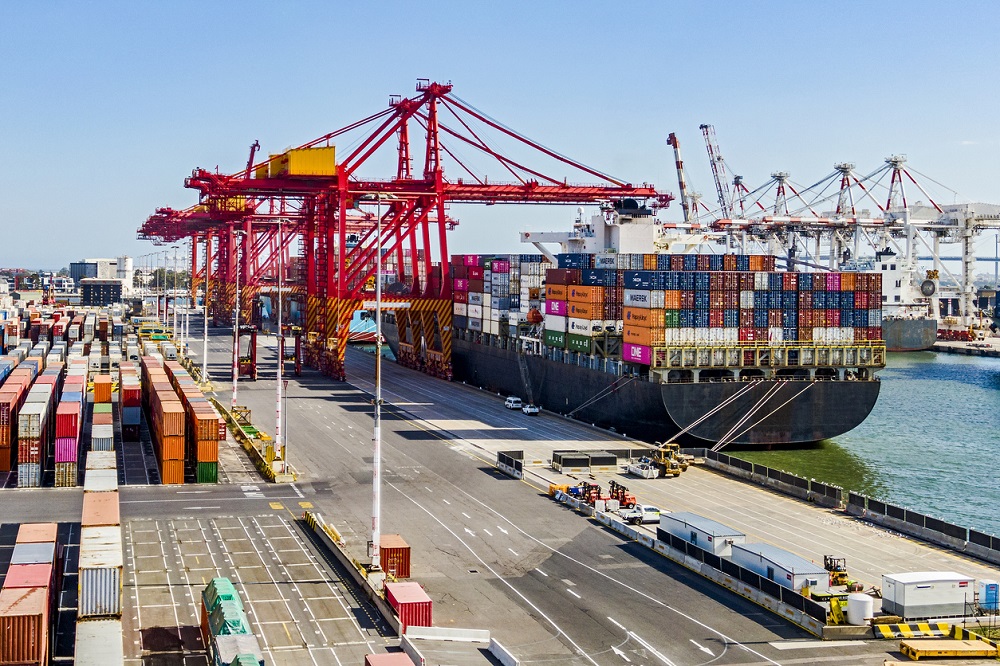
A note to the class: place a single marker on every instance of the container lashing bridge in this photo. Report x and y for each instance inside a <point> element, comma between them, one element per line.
<point>313,210</point>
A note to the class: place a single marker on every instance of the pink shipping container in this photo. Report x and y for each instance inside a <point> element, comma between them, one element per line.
<point>555,308</point>
<point>637,353</point>
<point>471,259</point>
<point>411,603</point>
<point>389,659</point>
<point>461,285</point>
<point>22,576</point>
<point>66,448</point>
<point>501,266</point>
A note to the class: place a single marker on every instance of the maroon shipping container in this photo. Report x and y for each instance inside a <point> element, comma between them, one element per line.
<point>411,604</point>
<point>567,276</point>
<point>68,419</point>
<point>66,449</point>
<point>24,626</point>
<point>388,659</point>
<point>29,451</point>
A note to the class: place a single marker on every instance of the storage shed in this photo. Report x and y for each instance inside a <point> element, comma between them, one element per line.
<point>784,568</point>
<point>702,532</point>
<point>926,594</point>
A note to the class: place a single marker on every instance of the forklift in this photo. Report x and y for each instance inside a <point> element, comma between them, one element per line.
<point>837,566</point>
<point>621,493</point>
<point>247,363</point>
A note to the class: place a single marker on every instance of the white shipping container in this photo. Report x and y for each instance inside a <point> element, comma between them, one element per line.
<point>495,315</point>
<point>101,460</point>
<point>460,309</point>
<point>702,335</point>
<point>672,335</point>
<point>555,323</point>
<point>702,532</point>
<point>687,334</point>
<point>100,481</point>
<point>760,281</point>
<point>746,300</point>
<point>775,334</point>
<point>100,572</point>
<point>492,327</point>
<point>32,420</point>
<point>40,393</point>
<point>605,260</point>
<point>926,594</point>
<point>589,327</point>
<point>102,438</point>
<point>99,643</point>
<point>475,298</point>
<point>784,568</point>
<point>847,334</point>
<point>731,334</point>
<point>475,311</point>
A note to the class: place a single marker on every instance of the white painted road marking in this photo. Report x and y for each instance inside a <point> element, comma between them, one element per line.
<point>621,654</point>
<point>501,529</point>
<point>514,551</point>
<point>574,593</point>
<point>650,648</point>
<point>488,533</point>
<point>542,572</point>
<point>798,645</point>
<point>702,647</point>
<point>446,501</point>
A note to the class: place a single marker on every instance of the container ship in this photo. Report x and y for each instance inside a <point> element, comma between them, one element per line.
<point>705,349</point>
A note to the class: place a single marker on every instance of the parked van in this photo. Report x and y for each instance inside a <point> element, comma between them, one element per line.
<point>513,402</point>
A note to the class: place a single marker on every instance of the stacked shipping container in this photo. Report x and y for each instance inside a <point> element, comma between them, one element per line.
<point>203,424</point>
<point>166,418</point>
<point>225,627</point>
<point>27,600</point>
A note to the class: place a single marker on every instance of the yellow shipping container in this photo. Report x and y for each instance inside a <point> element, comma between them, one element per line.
<point>278,165</point>
<point>319,161</point>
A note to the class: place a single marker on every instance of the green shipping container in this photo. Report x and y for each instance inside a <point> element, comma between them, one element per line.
<point>579,343</point>
<point>208,472</point>
<point>672,319</point>
<point>102,408</point>
<point>555,339</point>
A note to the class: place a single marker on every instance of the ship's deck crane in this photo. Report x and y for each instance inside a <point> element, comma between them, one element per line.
<point>718,171</point>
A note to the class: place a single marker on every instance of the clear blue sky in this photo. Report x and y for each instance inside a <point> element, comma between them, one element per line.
<point>105,107</point>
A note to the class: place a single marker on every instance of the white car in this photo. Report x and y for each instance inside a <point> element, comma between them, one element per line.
<point>531,410</point>
<point>513,402</point>
<point>641,514</point>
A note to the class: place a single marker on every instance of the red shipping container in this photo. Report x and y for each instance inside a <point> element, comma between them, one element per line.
<point>411,603</point>
<point>476,272</point>
<point>68,419</point>
<point>461,296</point>
<point>29,451</point>
<point>66,449</point>
<point>6,457</point>
<point>24,626</point>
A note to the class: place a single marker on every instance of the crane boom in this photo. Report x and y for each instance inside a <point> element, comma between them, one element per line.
<point>718,171</point>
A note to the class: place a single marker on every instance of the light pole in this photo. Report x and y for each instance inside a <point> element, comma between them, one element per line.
<point>236,319</point>
<point>376,564</point>
<point>187,308</point>
<point>280,339</point>
<point>173,332</point>
<point>204,305</point>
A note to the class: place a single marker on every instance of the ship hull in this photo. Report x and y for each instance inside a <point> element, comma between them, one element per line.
<point>905,335</point>
<point>793,413</point>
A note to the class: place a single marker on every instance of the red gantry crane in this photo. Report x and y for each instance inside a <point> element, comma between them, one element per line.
<point>327,211</point>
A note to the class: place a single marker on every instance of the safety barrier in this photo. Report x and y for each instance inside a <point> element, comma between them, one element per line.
<point>511,463</point>
<point>257,457</point>
<point>335,545</point>
<point>781,601</point>
<point>963,539</point>
<point>809,490</point>
<point>913,630</point>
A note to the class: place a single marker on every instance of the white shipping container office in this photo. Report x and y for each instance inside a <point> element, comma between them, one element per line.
<point>927,594</point>
<point>784,568</point>
<point>704,533</point>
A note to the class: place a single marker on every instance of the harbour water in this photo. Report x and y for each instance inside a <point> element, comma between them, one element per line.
<point>932,443</point>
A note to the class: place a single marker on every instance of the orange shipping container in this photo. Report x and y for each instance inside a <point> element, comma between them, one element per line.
<point>395,555</point>
<point>585,294</point>
<point>208,451</point>
<point>24,626</point>
<point>206,424</point>
<point>643,317</point>
<point>647,337</point>
<point>556,291</point>
<point>100,510</point>
<point>672,299</point>
<point>102,388</point>
<point>171,447</point>
<point>585,311</point>
<point>172,472</point>
<point>171,419</point>
<point>103,419</point>
<point>37,533</point>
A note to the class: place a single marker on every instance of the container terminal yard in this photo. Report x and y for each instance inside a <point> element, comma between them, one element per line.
<point>188,522</point>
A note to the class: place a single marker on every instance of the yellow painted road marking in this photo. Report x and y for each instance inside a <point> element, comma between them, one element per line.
<point>287,633</point>
<point>306,505</point>
<point>277,505</point>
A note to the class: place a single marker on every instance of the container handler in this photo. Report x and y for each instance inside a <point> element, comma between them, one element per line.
<point>619,492</point>
<point>247,363</point>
